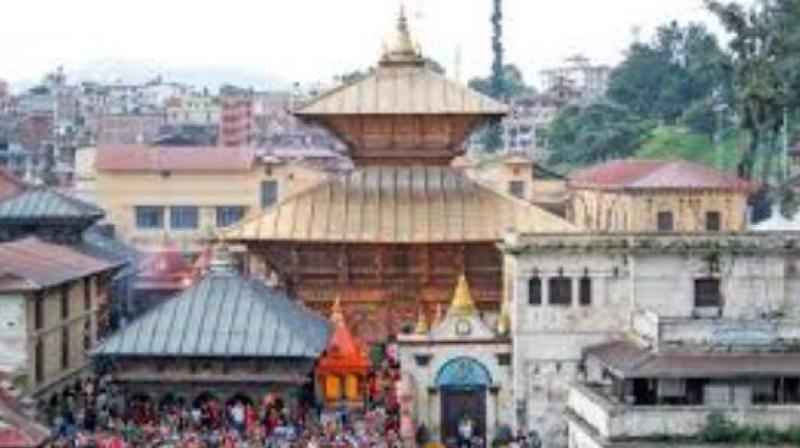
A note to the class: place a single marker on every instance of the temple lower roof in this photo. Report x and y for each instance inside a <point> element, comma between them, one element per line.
<point>225,316</point>
<point>398,204</point>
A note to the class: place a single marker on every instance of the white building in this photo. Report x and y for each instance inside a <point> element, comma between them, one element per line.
<point>457,373</point>
<point>572,294</point>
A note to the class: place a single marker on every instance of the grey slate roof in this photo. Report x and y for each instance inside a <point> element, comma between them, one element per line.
<point>224,315</point>
<point>46,203</point>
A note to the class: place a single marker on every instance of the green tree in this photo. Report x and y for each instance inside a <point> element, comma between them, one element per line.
<point>765,48</point>
<point>515,85</point>
<point>660,79</point>
<point>586,134</point>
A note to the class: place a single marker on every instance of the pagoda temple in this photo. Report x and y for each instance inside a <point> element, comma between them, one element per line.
<point>391,236</point>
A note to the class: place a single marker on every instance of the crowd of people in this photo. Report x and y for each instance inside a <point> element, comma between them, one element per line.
<point>94,415</point>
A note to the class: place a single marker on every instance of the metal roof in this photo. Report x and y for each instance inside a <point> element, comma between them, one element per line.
<point>628,360</point>
<point>401,90</point>
<point>422,204</point>
<point>45,203</point>
<point>224,315</point>
<point>30,264</point>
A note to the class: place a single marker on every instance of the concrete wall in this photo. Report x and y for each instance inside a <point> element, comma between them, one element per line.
<point>619,422</point>
<point>13,333</point>
<point>548,340</point>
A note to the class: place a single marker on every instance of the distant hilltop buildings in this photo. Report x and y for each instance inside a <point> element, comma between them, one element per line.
<point>42,127</point>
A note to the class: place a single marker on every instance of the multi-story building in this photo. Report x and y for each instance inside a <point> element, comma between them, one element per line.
<point>663,196</point>
<point>237,127</point>
<point>590,80</point>
<point>695,321</point>
<point>53,299</point>
<point>195,108</point>
<point>125,129</point>
<point>157,196</point>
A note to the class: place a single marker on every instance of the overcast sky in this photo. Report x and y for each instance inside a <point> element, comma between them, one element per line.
<point>312,40</point>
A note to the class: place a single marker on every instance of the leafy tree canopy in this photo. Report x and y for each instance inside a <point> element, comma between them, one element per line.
<point>660,79</point>
<point>586,134</point>
<point>514,83</point>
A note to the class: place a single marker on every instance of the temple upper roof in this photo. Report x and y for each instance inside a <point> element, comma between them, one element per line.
<point>402,85</point>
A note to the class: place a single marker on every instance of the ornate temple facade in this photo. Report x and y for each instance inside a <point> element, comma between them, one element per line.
<point>457,371</point>
<point>392,236</point>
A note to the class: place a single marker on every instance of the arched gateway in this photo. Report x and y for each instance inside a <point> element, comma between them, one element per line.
<point>463,384</point>
<point>462,368</point>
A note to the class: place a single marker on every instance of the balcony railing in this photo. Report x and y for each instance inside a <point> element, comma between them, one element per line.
<point>663,332</point>
<point>618,421</point>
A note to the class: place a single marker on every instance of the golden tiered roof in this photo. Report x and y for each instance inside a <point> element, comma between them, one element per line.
<point>390,204</point>
<point>400,85</point>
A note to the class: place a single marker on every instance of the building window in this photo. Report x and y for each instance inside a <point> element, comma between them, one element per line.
<point>184,217</point>
<point>65,348</point>
<point>585,291</point>
<point>269,193</point>
<point>149,217</point>
<point>38,310</point>
<point>39,367</point>
<point>65,301</point>
<point>707,293</point>
<point>87,293</point>
<point>534,291</point>
<point>665,222</point>
<point>560,291</point>
<point>516,188</point>
<point>229,215</point>
<point>713,221</point>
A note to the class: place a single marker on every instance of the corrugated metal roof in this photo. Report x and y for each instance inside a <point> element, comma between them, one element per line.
<point>423,204</point>
<point>30,264</point>
<point>628,360</point>
<point>46,203</point>
<point>227,316</point>
<point>399,90</point>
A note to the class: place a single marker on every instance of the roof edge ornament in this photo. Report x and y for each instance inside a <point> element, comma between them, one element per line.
<point>402,51</point>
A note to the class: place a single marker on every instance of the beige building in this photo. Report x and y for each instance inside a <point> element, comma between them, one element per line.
<point>647,308</point>
<point>517,174</point>
<point>53,305</point>
<point>159,196</point>
<point>658,196</point>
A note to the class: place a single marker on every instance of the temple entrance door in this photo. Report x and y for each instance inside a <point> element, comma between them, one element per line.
<point>461,405</point>
<point>462,384</point>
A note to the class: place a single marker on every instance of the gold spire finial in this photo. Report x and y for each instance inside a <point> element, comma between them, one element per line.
<point>422,323</point>
<point>401,50</point>
<point>504,322</point>
<point>337,315</point>
<point>462,299</point>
